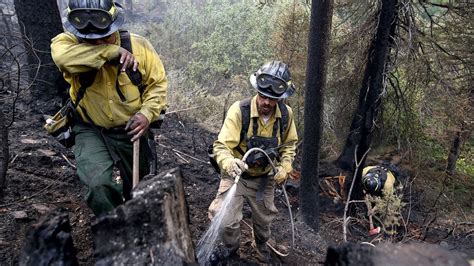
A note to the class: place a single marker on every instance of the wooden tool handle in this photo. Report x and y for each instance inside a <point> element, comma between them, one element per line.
<point>136,161</point>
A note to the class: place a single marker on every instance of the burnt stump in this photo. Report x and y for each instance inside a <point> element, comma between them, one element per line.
<point>151,228</point>
<point>49,242</point>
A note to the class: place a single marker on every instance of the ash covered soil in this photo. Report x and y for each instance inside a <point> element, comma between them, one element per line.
<point>41,178</point>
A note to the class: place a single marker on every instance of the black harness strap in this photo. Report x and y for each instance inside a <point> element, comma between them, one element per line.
<point>275,127</point>
<point>245,113</point>
<point>284,118</point>
<point>85,80</point>
<point>117,86</point>
<point>134,76</point>
<point>255,126</point>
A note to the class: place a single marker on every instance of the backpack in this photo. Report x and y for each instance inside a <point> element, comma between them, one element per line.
<point>245,111</point>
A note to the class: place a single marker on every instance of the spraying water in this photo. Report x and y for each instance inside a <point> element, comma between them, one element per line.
<point>208,242</point>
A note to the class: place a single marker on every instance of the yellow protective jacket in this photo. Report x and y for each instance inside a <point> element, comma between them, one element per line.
<point>225,147</point>
<point>101,100</point>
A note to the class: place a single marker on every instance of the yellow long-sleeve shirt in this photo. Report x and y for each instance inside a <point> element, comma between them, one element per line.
<point>225,147</point>
<point>101,100</point>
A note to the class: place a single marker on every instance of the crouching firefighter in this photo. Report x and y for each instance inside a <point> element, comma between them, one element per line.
<point>262,121</point>
<point>380,180</point>
<point>117,94</point>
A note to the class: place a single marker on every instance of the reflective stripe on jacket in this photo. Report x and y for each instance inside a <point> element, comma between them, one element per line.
<point>101,100</point>
<point>229,137</point>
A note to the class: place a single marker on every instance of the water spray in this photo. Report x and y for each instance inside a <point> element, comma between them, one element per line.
<point>208,241</point>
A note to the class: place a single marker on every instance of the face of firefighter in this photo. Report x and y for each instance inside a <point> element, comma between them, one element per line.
<point>265,105</point>
<point>106,40</point>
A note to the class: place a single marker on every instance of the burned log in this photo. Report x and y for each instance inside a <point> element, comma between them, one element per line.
<point>49,242</point>
<point>151,228</point>
<point>421,254</point>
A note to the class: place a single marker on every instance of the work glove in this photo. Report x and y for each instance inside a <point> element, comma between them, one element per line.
<point>281,175</point>
<point>234,167</point>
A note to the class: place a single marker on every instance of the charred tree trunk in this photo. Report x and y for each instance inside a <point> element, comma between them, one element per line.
<point>4,157</point>
<point>454,152</point>
<point>40,22</point>
<point>49,242</point>
<point>318,46</point>
<point>150,229</point>
<point>363,122</point>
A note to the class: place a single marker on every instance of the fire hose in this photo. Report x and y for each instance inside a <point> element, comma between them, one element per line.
<point>236,180</point>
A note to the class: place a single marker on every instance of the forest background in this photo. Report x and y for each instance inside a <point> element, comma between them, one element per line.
<point>209,49</point>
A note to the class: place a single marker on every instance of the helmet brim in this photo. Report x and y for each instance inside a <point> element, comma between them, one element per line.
<point>270,94</point>
<point>115,26</point>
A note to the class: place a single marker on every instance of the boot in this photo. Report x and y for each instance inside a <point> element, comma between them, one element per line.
<point>220,254</point>
<point>263,253</point>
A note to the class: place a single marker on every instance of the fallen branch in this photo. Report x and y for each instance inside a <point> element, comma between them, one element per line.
<point>182,153</point>
<point>181,157</point>
<point>14,159</point>
<point>68,162</point>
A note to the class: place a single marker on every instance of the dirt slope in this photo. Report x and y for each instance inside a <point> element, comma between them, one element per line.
<point>40,178</point>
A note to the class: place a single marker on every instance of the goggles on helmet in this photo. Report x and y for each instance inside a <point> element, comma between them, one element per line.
<point>278,86</point>
<point>101,19</point>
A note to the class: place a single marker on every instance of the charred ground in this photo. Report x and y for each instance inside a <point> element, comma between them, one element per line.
<point>41,178</point>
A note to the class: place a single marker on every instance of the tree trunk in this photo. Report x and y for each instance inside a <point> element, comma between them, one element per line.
<point>455,151</point>
<point>40,22</point>
<point>318,46</point>
<point>149,229</point>
<point>49,242</point>
<point>4,157</point>
<point>363,122</point>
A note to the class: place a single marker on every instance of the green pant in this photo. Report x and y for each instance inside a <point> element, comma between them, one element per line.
<point>95,166</point>
<point>263,212</point>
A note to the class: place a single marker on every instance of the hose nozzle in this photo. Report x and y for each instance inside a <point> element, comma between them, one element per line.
<point>236,180</point>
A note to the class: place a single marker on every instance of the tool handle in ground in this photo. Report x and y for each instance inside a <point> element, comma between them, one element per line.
<point>136,162</point>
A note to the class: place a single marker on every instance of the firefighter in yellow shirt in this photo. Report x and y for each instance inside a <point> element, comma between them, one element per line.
<point>262,121</point>
<point>112,111</point>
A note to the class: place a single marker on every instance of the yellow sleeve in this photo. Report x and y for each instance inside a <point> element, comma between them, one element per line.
<point>229,136</point>
<point>73,57</point>
<point>287,153</point>
<point>154,95</point>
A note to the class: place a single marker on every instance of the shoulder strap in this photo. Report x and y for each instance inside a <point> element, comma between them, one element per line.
<point>134,76</point>
<point>245,111</point>
<point>85,80</point>
<point>125,41</point>
<point>284,118</point>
